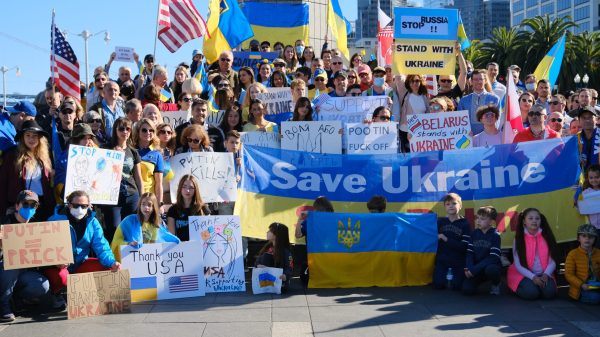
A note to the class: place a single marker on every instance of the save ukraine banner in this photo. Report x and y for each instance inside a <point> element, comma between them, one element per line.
<point>277,21</point>
<point>364,250</point>
<point>276,183</point>
<point>424,40</point>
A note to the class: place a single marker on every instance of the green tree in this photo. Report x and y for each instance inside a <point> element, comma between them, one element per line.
<point>586,50</point>
<point>505,47</point>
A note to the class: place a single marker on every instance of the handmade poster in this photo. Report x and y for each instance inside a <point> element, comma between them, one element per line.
<point>161,271</point>
<point>95,171</point>
<point>590,203</point>
<point>372,138</point>
<point>251,59</point>
<point>124,54</point>
<point>214,170</point>
<point>278,102</point>
<point>316,137</point>
<point>214,118</point>
<point>36,244</point>
<point>275,183</point>
<point>98,293</point>
<point>424,40</point>
<point>263,139</point>
<point>221,240</point>
<point>266,280</point>
<point>440,131</point>
<point>176,118</point>
<point>355,109</point>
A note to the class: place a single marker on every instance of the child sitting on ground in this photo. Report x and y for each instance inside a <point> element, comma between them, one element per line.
<point>277,253</point>
<point>582,267</point>
<point>483,254</point>
<point>453,239</point>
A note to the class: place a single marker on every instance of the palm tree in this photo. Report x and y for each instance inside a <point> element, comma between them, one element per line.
<point>473,54</point>
<point>505,47</point>
<point>543,33</point>
<point>587,50</point>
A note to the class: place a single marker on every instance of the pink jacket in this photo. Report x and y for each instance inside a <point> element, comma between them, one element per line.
<point>533,243</point>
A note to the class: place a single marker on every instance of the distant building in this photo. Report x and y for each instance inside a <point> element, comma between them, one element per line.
<point>585,13</point>
<point>481,17</point>
<point>437,3</point>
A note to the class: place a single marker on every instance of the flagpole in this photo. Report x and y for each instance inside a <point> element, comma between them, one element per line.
<point>156,32</point>
<point>52,57</point>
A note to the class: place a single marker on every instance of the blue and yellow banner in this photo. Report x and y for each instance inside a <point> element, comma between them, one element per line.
<point>277,21</point>
<point>364,250</point>
<point>424,40</point>
<point>275,183</point>
<point>227,28</point>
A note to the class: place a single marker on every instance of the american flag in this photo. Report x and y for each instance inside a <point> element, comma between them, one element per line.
<point>182,283</point>
<point>64,65</point>
<point>178,23</point>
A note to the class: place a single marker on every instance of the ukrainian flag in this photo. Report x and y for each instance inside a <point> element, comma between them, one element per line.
<point>350,250</point>
<point>143,289</point>
<point>549,67</point>
<point>339,26</point>
<point>278,21</point>
<point>227,28</point>
<point>463,40</point>
<point>165,95</point>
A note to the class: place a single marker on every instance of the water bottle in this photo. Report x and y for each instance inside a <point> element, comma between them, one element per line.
<point>449,278</point>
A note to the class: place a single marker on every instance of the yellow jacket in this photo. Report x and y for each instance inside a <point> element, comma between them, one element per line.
<point>577,271</point>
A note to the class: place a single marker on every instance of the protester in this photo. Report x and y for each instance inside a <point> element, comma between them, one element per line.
<point>340,84</point>
<point>298,88</point>
<point>543,93</point>
<point>446,82</point>
<point>453,240</point>
<point>264,72</point>
<point>483,254</point>
<point>290,58</point>
<point>582,266</point>
<point>184,102</point>
<point>86,236</point>
<point>276,253</point>
<point>257,111</point>
<point>537,129</point>
<point>438,104</point>
<point>531,276</point>
<point>364,74</point>
<point>412,92</point>
<point>278,80</point>
<point>253,90</point>
<point>94,120</point>
<point>308,55</point>
<point>199,113</point>
<point>379,87</point>
<point>555,122</point>
<point>11,122</point>
<point>133,110</point>
<point>352,78</point>
<point>479,97</point>
<point>159,80</point>
<point>131,185</point>
<point>28,166</point>
<point>110,107</point>
<point>574,127</point>
<point>588,137</point>
<point>355,61</point>
<point>144,227</point>
<point>530,84</point>
<point>64,123</point>
<point>492,73</point>
<point>592,184</point>
<point>303,110</point>
<point>381,115</point>
<point>490,135</point>
<point>233,144</point>
<point>181,74</point>
<point>246,75</point>
<point>377,204</point>
<point>225,69</point>
<point>25,284</point>
<point>152,164</point>
<point>167,146</point>
<point>188,203</point>
<point>353,90</point>
<point>95,94</point>
<point>525,103</point>
<point>152,95</point>
<point>320,80</point>
<point>49,111</point>
<point>194,139</point>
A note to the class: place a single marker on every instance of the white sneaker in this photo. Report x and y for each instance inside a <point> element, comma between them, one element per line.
<point>495,290</point>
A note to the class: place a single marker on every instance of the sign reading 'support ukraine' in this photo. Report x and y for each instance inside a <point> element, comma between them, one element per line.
<point>424,40</point>
<point>510,177</point>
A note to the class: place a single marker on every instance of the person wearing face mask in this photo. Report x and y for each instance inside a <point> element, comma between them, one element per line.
<point>86,235</point>
<point>26,285</point>
<point>299,45</point>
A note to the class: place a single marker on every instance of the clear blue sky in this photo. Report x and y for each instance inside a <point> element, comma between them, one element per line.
<point>131,23</point>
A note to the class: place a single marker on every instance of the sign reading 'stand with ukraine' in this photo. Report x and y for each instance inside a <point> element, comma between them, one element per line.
<point>510,177</point>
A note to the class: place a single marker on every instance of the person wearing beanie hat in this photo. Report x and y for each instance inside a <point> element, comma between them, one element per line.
<point>582,267</point>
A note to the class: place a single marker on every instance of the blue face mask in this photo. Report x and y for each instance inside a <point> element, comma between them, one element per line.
<point>27,213</point>
<point>299,50</point>
<point>379,81</point>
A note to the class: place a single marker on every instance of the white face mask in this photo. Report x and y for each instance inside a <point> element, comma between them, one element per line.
<point>530,86</point>
<point>78,213</point>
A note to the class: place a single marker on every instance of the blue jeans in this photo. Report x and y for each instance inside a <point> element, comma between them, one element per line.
<point>530,291</point>
<point>27,284</point>
<point>590,296</point>
<point>491,272</point>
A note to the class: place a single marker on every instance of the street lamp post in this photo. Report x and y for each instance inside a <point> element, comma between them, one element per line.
<point>577,80</point>
<point>4,70</point>
<point>86,35</point>
<point>585,80</point>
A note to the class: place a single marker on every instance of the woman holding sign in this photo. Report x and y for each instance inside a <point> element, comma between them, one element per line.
<point>28,167</point>
<point>412,92</point>
<point>144,227</point>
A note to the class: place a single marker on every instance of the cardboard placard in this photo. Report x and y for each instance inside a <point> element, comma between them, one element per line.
<point>317,137</point>
<point>98,293</point>
<point>36,244</point>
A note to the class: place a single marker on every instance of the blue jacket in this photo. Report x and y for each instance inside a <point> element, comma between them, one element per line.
<point>453,252</point>
<point>93,238</point>
<point>132,231</point>
<point>483,250</point>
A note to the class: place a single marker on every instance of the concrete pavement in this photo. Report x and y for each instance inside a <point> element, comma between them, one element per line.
<point>409,311</point>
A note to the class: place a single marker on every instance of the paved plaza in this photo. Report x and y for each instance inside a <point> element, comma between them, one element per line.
<point>372,312</point>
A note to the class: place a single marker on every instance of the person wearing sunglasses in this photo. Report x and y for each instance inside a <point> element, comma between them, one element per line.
<point>353,90</point>
<point>94,120</point>
<point>412,92</point>
<point>438,104</point>
<point>556,122</point>
<point>488,115</point>
<point>31,285</point>
<point>537,129</point>
<point>194,139</point>
<point>382,115</point>
<point>184,102</point>
<point>478,98</point>
<point>225,69</point>
<point>526,101</point>
<point>364,76</point>
<point>320,80</point>
<point>86,236</point>
<point>337,65</point>
<point>445,82</point>
<point>199,114</point>
<point>65,123</point>
<point>94,95</point>
<point>584,99</point>
<point>131,186</point>
<point>152,167</point>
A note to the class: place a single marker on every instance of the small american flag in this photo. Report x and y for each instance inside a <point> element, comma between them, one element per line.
<point>64,65</point>
<point>183,283</point>
<point>432,86</point>
<point>178,23</point>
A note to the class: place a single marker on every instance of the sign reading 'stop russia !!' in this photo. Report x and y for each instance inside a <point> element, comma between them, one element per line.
<point>424,40</point>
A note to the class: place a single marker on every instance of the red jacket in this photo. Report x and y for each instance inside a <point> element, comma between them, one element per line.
<point>526,135</point>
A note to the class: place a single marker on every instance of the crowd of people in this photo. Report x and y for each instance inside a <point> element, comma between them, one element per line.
<point>125,114</point>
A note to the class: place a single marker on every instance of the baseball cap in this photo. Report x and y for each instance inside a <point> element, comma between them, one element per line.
<point>515,67</point>
<point>23,106</point>
<point>587,229</point>
<point>27,195</point>
<point>340,73</point>
<point>379,70</point>
<point>587,108</point>
<point>279,61</point>
<point>363,68</point>
<point>149,58</point>
<point>320,73</point>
